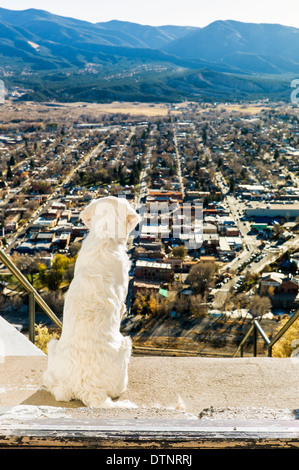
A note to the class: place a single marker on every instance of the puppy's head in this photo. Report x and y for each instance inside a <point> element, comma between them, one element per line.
<point>110,217</point>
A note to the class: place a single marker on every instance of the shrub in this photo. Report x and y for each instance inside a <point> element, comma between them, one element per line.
<point>42,337</point>
<point>286,345</point>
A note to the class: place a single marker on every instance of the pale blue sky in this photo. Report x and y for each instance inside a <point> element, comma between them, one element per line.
<point>162,12</point>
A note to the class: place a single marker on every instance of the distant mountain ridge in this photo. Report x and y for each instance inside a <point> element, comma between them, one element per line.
<point>257,48</point>
<point>60,53</point>
<point>50,27</point>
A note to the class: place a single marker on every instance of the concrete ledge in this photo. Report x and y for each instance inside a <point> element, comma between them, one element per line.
<point>179,402</point>
<point>154,382</point>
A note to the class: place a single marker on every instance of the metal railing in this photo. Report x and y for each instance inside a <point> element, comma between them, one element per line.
<point>34,296</point>
<point>256,328</point>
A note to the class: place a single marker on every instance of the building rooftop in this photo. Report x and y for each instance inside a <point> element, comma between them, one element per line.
<point>273,205</point>
<point>152,264</point>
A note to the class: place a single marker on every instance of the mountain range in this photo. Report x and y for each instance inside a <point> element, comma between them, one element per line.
<point>68,59</point>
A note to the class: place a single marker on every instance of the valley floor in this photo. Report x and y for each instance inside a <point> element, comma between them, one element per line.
<point>210,336</point>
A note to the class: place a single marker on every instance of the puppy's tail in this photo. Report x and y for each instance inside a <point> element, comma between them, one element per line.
<point>51,347</point>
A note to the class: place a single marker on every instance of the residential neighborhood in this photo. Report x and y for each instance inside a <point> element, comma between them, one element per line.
<point>216,187</point>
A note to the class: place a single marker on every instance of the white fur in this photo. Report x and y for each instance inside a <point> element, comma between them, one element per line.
<point>90,360</point>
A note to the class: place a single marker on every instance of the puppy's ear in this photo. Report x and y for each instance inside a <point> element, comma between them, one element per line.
<point>87,213</point>
<point>132,219</point>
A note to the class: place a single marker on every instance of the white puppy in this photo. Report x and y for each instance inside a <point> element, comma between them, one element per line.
<point>90,360</point>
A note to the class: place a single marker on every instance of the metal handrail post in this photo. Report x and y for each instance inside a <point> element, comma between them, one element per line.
<point>244,340</point>
<point>254,341</point>
<point>261,332</point>
<point>256,328</point>
<point>31,317</point>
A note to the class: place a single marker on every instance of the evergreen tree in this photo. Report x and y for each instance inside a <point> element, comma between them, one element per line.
<point>9,174</point>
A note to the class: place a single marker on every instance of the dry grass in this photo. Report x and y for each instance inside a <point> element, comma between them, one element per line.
<point>243,109</point>
<point>237,108</point>
<point>33,112</point>
<point>138,109</point>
